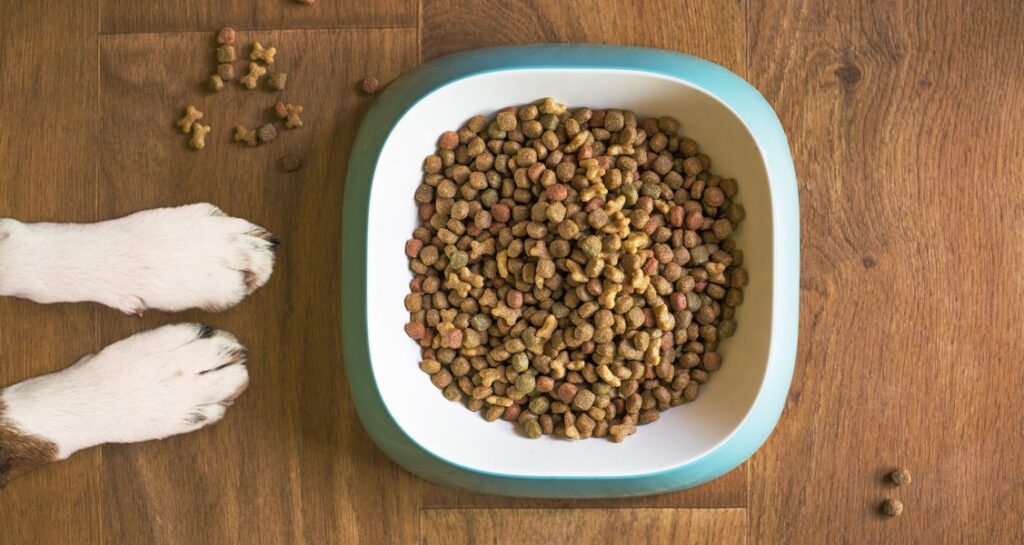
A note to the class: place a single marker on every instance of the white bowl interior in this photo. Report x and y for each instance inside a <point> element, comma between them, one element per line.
<point>448,429</point>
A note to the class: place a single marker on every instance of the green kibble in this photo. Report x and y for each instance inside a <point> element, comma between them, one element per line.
<point>539,405</point>
<point>533,429</point>
<point>452,393</point>
<point>526,383</point>
<point>520,363</point>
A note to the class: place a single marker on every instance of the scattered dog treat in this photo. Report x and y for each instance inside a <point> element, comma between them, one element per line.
<point>226,71</point>
<point>199,132</point>
<point>245,135</point>
<point>291,162</point>
<point>370,85</point>
<point>280,110</point>
<point>293,121</point>
<point>892,507</point>
<point>250,80</point>
<point>278,81</point>
<point>573,268</point>
<point>226,53</point>
<point>260,53</point>
<point>900,476</point>
<point>226,36</point>
<point>267,133</point>
<point>191,116</point>
<point>215,83</point>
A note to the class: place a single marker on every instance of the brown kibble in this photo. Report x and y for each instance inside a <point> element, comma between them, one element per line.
<point>557,192</point>
<point>900,476</point>
<point>413,247</point>
<point>415,330</point>
<point>514,299</point>
<point>892,507</point>
<point>370,85</point>
<point>226,53</point>
<point>215,83</point>
<point>226,36</point>
<point>501,213</point>
<point>226,71</point>
<point>453,338</point>
<point>566,392</point>
<point>278,81</point>
<point>545,384</point>
<point>449,140</point>
<point>292,163</point>
<point>267,133</point>
<point>280,110</point>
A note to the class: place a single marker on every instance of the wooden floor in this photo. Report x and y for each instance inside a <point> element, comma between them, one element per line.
<point>906,123</point>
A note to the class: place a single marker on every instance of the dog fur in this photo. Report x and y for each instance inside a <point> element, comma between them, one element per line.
<point>158,383</point>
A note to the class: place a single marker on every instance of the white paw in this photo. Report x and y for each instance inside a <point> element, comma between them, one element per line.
<point>162,382</point>
<point>169,259</point>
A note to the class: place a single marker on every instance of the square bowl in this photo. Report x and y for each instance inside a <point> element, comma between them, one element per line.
<point>442,441</point>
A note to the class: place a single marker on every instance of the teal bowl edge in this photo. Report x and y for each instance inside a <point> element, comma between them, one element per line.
<point>731,89</point>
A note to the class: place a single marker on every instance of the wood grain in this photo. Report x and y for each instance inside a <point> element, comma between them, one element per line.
<point>48,108</point>
<point>905,125</point>
<point>707,28</point>
<point>613,526</point>
<point>132,16</point>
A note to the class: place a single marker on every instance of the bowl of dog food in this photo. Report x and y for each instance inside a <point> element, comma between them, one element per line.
<point>570,271</point>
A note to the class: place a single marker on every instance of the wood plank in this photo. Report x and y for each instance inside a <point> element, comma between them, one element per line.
<point>131,16</point>
<point>707,28</point>
<point>290,464</point>
<point>583,526</point>
<point>905,124</point>
<point>729,490</point>
<point>48,94</point>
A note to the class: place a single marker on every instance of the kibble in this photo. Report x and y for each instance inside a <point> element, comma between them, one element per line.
<point>226,53</point>
<point>226,36</point>
<point>292,119</point>
<point>260,53</point>
<point>215,83</point>
<point>192,115</point>
<point>291,162</point>
<point>900,476</point>
<point>892,507</point>
<point>278,81</point>
<point>574,268</point>
<point>246,136</point>
<point>199,132</point>
<point>226,71</point>
<point>370,85</point>
<point>250,80</point>
<point>267,133</point>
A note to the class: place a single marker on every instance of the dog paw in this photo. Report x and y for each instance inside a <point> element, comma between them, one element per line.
<point>168,259</point>
<point>155,384</point>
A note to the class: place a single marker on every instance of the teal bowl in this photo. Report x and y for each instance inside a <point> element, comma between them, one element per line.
<point>690,444</point>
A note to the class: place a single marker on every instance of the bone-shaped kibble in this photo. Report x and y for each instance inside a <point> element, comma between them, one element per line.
<point>255,73</point>
<point>248,136</point>
<point>199,132</point>
<point>293,121</point>
<point>260,53</point>
<point>191,116</point>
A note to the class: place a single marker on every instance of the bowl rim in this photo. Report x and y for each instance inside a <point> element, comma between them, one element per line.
<point>764,126</point>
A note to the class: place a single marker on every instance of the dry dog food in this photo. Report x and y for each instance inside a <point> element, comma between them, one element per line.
<point>575,270</point>
<point>267,133</point>
<point>280,110</point>
<point>292,119</point>
<point>226,53</point>
<point>250,80</point>
<point>278,81</point>
<point>199,132</point>
<point>892,507</point>
<point>246,136</point>
<point>291,163</point>
<point>370,85</point>
<point>226,71</point>
<point>226,36</point>
<point>215,83</point>
<point>900,476</point>
<point>260,53</point>
<point>191,116</point>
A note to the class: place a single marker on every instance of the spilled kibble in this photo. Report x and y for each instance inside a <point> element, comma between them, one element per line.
<point>892,507</point>
<point>226,53</point>
<point>277,81</point>
<point>226,36</point>
<point>260,53</point>
<point>900,476</point>
<point>226,71</point>
<point>215,83</point>
<point>191,116</point>
<point>250,80</point>
<point>370,85</point>
<point>267,133</point>
<point>199,132</point>
<point>292,119</point>
<point>280,110</point>
<point>291,163</point>
<point>574,269</point>
<point>246,136</point>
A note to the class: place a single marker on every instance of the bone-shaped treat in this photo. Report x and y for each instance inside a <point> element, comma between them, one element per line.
<point>260,53</point>
<point>248,136</point>
<point>293,121</point>
<point>255,73</point>
<point>199,132</point>
<point>191,116</point>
